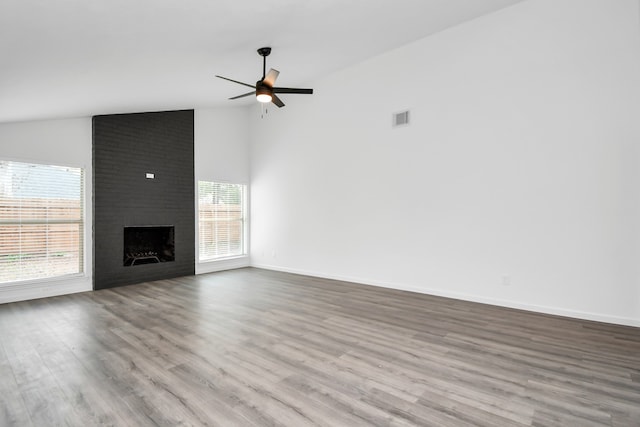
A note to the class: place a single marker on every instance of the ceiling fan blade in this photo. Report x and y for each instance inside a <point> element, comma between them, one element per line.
<point>292,90</point>
<point>277,101</point>
<point>235,81</point>
<point>270,78</point>
<point>244,94</point>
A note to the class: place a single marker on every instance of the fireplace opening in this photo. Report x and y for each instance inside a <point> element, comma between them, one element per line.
<point>148,245</point>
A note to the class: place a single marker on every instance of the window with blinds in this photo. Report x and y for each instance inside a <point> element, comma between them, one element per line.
<point>221,220</point>
<point>41,221</point>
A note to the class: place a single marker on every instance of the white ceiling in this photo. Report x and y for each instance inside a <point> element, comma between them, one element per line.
<point>74,58</point>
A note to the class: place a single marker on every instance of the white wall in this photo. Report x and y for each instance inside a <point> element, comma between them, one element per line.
<point>58,142</point>
<point>221,138</point>
<point>515,184</point>
<point>221,150</point>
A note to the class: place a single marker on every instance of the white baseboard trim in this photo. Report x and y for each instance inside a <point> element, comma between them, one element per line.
<point>43,289</point>
<point>557,311</point>
<point>221,265</point>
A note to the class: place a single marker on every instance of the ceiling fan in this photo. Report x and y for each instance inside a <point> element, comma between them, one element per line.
<point>264,88</point>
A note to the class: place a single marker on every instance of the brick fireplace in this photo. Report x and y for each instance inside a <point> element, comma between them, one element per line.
<point>143,185</point>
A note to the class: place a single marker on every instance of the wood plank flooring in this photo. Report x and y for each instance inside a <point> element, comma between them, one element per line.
<point>252,347</point>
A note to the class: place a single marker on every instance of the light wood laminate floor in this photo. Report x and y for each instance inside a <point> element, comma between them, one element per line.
<point>252,347</point>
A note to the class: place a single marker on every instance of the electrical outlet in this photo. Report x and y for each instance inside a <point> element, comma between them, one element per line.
<point>506,280</point>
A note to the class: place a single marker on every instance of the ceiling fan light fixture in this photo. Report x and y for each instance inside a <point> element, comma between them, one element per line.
<point>263,93</point>
<point>264,97</point>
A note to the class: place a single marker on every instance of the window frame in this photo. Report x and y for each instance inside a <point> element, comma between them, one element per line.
<point>81,223</point>
<point>243,219</point>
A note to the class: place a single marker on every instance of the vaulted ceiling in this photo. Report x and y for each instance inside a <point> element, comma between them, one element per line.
<point>75,58</point>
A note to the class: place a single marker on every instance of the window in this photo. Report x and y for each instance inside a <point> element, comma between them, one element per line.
<point>41,221</point>
<point>221,220</point>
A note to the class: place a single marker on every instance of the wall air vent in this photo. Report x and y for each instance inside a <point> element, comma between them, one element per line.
<point>401,119</point>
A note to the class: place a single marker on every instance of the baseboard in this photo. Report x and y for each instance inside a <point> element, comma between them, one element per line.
<point>43,289</point>
<point>221,265</point>
<point>557,311</point>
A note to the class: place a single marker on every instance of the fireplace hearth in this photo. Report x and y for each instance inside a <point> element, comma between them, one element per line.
<point>148,245</point>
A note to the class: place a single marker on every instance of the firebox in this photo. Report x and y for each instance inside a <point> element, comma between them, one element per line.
<point>148,245</point>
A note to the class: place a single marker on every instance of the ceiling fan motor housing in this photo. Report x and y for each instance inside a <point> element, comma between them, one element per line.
<point>263,88</point>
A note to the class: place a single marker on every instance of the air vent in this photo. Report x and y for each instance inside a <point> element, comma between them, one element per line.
<point>401,119</point>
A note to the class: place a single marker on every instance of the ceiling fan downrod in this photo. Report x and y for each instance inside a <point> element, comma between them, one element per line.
<point>264,52</point>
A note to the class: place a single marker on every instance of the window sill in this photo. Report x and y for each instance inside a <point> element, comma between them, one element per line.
<point>221,264</point>
<point>36,283</point>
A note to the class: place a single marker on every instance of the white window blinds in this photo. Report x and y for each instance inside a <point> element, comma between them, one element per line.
<point>41,221</point>
<point>221,220</point>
